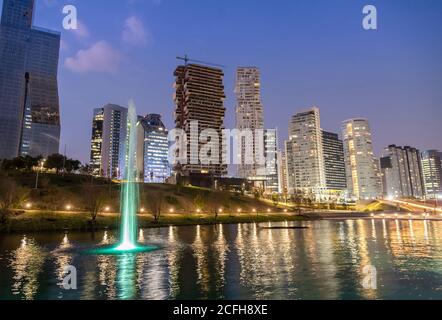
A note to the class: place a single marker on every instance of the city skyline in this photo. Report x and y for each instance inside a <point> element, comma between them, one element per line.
<point>358,78</point>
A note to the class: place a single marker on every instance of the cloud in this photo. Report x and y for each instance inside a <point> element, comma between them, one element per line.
<point>134,32</point>
<point>100,57</point>
<point>82,31</point>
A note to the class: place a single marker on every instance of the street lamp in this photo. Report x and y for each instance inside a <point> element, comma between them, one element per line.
<point>42,163</point>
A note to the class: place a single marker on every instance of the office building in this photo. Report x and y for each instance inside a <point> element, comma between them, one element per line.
<point>334,164</point>
<point>156,149</point>
<point>432,173</point>
<point>109,135</point>
<point>29,102</point>
<point>402,173</point>
<point>362,167</point>
<point>271,161</point>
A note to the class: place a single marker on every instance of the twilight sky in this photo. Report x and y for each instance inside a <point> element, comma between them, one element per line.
<point>311,52</point>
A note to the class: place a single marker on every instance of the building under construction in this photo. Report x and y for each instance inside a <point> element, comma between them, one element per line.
<point>199,96</point>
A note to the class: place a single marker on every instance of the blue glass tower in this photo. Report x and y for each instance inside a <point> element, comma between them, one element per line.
<point>156,150</point>
<point>29,102</point>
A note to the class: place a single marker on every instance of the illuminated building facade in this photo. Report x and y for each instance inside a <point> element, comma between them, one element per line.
<point>432,173</point>
<point>334,164</point>
<point>402,173</point>
<point>29,102</point>
<point>304,151</point>
<point>282,172</point>
<point>362,168</point>
<point>109,134</point>
<point>199,97</point>
<point>271,161</point>
<point>249,116</point>
<point>156,149</point>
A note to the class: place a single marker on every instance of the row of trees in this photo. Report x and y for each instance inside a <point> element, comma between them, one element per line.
<point>11,196</point>
<point>56,162</point>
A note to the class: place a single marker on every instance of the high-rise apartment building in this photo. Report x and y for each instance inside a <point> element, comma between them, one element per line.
<point>109,135</point>
<point>271,160</point>
<point>432,173</point>
<point>199,99</point>
<point>402,173</point>
<point>29,102</point>
<point>249,116</point>
<point>305,159</point>
<point>334,164</point>
<point>156,149</point>
<point>362,168</point>
<point>282,172</point>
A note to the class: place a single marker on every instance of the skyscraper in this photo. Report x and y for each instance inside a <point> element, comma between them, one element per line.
<point>156,149</point>
<point>305,160</point>
<point>282,172</point>
<point>334,164</point>
<point>29,102</point>
<point>432,173</point>
<point>249,116</point>
<point>362,167</point>
<point>109,134</point>
<point>199,100</point>
<point>402,173</point>
<point>271,160</point>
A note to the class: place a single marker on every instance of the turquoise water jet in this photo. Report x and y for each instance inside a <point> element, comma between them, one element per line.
<point>129,196</point>
<point>129,187</point>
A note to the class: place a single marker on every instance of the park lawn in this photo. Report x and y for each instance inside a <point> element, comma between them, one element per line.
<point>40,221</point>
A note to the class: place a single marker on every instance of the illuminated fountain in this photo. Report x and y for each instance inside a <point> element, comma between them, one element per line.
<point>129,188</point>
<point>129,196</point>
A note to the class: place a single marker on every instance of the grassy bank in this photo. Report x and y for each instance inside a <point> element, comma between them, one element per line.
<point>39,221</point>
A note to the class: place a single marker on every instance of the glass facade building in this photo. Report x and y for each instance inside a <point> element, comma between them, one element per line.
<point>271,159</point>
<point>432,173</point>
<point>156,150</point>
<point>401,170</point>
<point>109,134</point>
<point>334,164</point>
<point>29,102</point>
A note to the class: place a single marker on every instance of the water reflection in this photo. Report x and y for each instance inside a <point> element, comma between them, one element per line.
<point>126,277</point>
<point>26,263</point>
<point>62,259</point>
<point>248,261</point>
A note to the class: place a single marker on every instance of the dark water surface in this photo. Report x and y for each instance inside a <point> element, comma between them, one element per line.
<point>244,261</point>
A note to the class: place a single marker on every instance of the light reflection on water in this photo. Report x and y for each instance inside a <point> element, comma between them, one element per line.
<point>233,262</point>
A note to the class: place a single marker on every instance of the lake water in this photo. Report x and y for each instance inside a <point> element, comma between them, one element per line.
<point>325,261</point>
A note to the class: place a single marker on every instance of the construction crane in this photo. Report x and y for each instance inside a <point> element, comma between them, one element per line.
<point>186,60</point>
